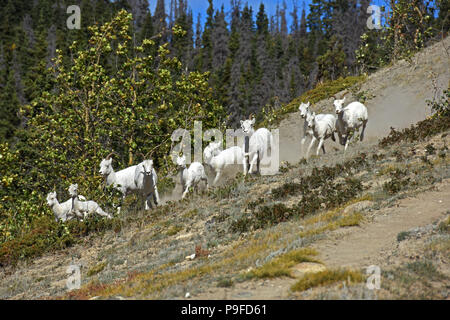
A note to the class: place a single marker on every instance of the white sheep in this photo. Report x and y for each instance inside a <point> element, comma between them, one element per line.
<point>83,208</point>
<point>190,177</point>
<point>304,110</point>
<point>146,180</point>
<point>307,132</point>
<point>350,119</point>
<point>62,211</point>
<point>257,145</point>
<point>220,160</point>
<point>323,128</point>
<point>122,180</point>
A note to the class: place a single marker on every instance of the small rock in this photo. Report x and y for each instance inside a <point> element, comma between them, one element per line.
<point>191,257</point>
<point>188,295</point>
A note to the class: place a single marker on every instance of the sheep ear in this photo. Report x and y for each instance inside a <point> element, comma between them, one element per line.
<point>253,121</point>
<point>308,104</point>
<point>242,122</point>
<point>343,100</point>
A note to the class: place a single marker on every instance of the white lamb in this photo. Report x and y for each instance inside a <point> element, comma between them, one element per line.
<point>146,180</point>
<point>220,160</point>
<point>349,120</point>
<point>304,110</point>
<point>62,211</point>
<point>257,145</point>
<point>323,128</point>
<point>83,208</point>
<point>122,180</point>
<point>190,177</point>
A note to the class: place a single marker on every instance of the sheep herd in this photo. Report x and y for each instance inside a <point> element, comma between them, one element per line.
<point>142,178</point>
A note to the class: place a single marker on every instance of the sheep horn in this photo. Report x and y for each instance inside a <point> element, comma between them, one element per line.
<point>109,155</point>
<point>141,154</point>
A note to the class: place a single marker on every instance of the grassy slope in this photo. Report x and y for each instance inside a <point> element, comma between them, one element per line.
<point>235,235</point>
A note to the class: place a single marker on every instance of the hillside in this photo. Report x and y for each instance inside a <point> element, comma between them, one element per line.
<point>255,239</point>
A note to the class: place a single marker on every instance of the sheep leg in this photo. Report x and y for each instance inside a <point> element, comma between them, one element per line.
<point>148,204</point>
<point>303,144</point>
<point>362,131</point>
<point>347,140</point>
<point>102,213</point>
<point>252,163</point>
<point>155,190</point>
<point>333,137</point>
<point>245,164</point>
<point>313,139</point>
<point>341,139</point>
<point>258,160</point>
<point>206,181</point>
<point>217,177</point>
<point>320,146</point>
<point>186,191</point>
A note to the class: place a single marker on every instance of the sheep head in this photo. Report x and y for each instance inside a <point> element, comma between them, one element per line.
<point>304,109</point>
<point>51,198</point>
<point>106,167</point>
<point>181,161</point>
<point>147,165</point>
<point>339,105</point>
<point>310,119</point>
<point>73,190</point>
<point>247,125</point>
<point>213,149</point>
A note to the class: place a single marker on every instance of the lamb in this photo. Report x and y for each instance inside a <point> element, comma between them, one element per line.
<point>122,180</point>
<point>221,160</point>
<point>192,176</point>
<point>323,128</point>
<point>85,208</point>
<point>145,179</point>
<point>350,119</point>
<point>62,211</point>
<point>257,145</point>
<point>307,132</point>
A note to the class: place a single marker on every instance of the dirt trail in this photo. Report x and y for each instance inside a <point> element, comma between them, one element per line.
<point>366,245</point>
<point>354,247</point>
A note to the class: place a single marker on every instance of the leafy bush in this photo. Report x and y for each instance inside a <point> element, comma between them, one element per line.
<point>107,96</point>
<point>419,131</point>
<point>317,190</point>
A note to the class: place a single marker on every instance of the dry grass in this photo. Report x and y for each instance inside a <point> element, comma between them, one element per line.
<point>353,219</point>
<point>327,277</point>
<point>281,265</point>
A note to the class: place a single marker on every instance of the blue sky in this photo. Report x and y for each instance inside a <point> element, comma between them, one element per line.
<point>200,6</point>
